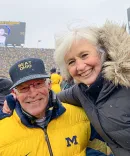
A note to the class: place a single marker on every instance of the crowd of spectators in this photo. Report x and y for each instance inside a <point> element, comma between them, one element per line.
<point>9,55</point>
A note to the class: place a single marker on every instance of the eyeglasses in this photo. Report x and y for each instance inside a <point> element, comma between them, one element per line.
<point>25,88</point>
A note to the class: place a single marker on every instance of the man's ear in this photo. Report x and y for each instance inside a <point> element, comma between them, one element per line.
<point>49,85</point>
<point>48,81</point>
<point>14,92</point>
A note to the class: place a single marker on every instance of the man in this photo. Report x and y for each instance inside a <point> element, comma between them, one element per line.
<point>40,124</point>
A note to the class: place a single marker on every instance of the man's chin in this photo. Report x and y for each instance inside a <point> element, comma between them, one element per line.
<point>37,114</point>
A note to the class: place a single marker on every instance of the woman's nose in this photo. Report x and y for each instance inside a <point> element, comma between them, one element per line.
<point>80,65</point>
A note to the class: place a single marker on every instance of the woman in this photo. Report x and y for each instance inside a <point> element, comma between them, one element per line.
<point>98,59</point>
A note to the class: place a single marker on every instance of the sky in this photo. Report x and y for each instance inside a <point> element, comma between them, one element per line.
<point>46,18</point>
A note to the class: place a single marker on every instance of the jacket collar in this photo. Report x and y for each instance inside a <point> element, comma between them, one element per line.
<point>99,90</point>
<point>93,90</point>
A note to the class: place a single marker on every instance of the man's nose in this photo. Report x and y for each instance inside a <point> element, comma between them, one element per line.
<point>32,91</point>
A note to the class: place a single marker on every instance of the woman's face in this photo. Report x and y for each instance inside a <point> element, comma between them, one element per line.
<point>83,62</point>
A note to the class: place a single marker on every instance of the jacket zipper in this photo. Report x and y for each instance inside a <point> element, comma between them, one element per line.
<point>48,141</point>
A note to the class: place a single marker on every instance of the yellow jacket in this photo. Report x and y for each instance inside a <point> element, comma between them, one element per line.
<point>55,82</point>
<point>68,135</point>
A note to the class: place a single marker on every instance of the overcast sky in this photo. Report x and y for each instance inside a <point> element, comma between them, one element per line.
<point>45,18</point>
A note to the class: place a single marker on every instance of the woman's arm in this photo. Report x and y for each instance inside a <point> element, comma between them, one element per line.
<point>70,96</point>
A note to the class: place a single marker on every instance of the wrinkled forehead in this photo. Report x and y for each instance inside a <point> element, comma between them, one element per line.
<point>32,81</point>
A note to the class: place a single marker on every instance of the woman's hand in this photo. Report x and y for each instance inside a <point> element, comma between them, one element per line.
<point>7,106</point>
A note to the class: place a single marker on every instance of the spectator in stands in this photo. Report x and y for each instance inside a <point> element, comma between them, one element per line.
<point>60,76</point>
<point>9,55</point>
<point>5,85</point>
<point>66,83</point>
<point>55,81</point>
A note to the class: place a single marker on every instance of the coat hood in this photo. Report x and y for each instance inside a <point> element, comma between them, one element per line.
<point>116,42</point>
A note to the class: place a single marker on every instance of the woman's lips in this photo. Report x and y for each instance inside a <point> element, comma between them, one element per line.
<point>86,73</point>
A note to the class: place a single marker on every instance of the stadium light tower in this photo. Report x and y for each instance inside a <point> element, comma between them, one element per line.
<point>38,42</point>
<point>128,16</point>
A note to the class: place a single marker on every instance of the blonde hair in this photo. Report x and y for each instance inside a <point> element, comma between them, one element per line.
<point>64,42</point>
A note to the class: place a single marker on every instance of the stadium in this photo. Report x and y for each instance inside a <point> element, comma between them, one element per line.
<point>12,39</point>
<point>34,121</point>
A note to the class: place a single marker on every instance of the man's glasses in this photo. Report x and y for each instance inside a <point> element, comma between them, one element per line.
<point>25,88</point>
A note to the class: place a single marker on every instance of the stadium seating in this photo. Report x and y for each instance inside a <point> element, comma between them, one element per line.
<point>9,55</point>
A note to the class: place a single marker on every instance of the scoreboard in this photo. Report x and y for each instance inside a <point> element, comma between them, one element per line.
<point>12,33</point>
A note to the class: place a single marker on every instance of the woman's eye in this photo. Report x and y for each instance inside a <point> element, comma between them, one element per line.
<point>71,62</point>
<point>84,55</point>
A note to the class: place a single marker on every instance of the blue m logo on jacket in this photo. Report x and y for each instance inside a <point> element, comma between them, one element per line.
<point>71,141</point>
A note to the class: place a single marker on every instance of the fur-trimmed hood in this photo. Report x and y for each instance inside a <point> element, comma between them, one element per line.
<point>116,42</point>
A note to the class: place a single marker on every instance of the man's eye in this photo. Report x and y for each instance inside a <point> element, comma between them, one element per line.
<point>38,83</point>
<point>24,88</point>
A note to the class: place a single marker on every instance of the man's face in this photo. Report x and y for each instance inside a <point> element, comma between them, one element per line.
<point>33,96</point>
